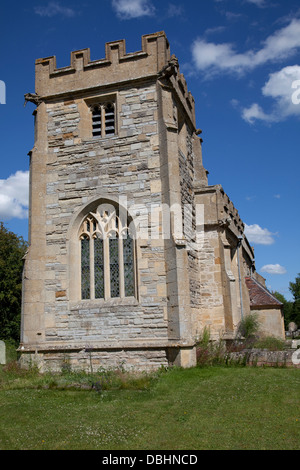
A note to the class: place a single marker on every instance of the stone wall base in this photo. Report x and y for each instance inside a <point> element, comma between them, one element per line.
<point>93,360</point>
<point>261,357</point>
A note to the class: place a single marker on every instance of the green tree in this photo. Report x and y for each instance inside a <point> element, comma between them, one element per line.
<point>287,308</point>
<point>295,290</point>
<point>12,251</point>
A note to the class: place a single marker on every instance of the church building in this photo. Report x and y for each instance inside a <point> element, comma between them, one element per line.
<point>131,252</point>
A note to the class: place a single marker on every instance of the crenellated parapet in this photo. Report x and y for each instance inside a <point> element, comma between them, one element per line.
<point>227,211</point>
<point>170,73</point>
<point>118,66</point>
<point>220,211</point>
<point>86,76</point>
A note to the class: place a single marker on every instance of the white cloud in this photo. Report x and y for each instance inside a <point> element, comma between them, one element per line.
<point>258,3</point>
<point>14,195</point>
<point>128,9</point>
<point>282,88</point>
<point>214,30</point>
<point>255,112</point>
<point>174,10</point>
<point>258,235</point>
<point>273,269</point>
<point>215,58</point>
<point>54,8</point>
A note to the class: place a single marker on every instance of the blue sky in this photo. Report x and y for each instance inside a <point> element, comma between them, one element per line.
<point>241,60</point>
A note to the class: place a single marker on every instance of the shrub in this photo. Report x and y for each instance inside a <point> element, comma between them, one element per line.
<point>248,327</point>
<point>210,352</point>
<point>271,343</point>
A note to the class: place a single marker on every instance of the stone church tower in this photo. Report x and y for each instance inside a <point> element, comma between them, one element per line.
<point>131,252</point>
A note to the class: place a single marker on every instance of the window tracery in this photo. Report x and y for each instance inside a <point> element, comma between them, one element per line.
<point>107,255</point>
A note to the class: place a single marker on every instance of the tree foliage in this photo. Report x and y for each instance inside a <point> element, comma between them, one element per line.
<point>291,309</point>
<point>295,290</point>
<point>287,308</point>
<point>12,251</point>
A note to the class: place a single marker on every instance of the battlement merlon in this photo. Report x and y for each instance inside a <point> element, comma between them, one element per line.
<point>84,75</point>
<point>117,66</point>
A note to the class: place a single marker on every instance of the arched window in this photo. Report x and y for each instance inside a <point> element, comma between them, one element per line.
<point>107,255</point>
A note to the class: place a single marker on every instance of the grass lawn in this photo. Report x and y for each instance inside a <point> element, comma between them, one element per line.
<point>210,408</point>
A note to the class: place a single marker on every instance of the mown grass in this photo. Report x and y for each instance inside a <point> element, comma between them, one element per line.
<point>205,408</point>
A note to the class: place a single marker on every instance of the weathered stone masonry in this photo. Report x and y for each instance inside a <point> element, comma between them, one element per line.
<point>151,160</point>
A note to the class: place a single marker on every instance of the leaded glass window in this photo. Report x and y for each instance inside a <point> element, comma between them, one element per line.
<point>85,268</point>
<point>114,267</point>
<point>99,268</point>
<point>107,255</point>
<point>128,266</point>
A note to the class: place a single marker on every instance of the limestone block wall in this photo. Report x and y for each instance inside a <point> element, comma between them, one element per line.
<point>225,261</point>
<point>72,173</point>
<point>187,178</point>
<point>80,170</point>
<point>153,160</point>
<point>93,360</point>
<point>211,288</point>
<point>77,170</point>
<point>271,322</point>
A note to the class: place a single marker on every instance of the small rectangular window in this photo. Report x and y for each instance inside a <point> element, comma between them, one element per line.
<point>110,119</point>
<point>104,119</point>
<point>97,121</point>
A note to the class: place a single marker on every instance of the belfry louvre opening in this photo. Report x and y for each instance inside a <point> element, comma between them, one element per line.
<point>103,118</point>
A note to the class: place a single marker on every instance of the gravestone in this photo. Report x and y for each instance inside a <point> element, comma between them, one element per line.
<point>292,328</point>
<point>2,353</point>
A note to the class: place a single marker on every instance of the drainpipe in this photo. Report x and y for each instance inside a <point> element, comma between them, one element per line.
<point>240,239</point>
<point>252,268</point>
